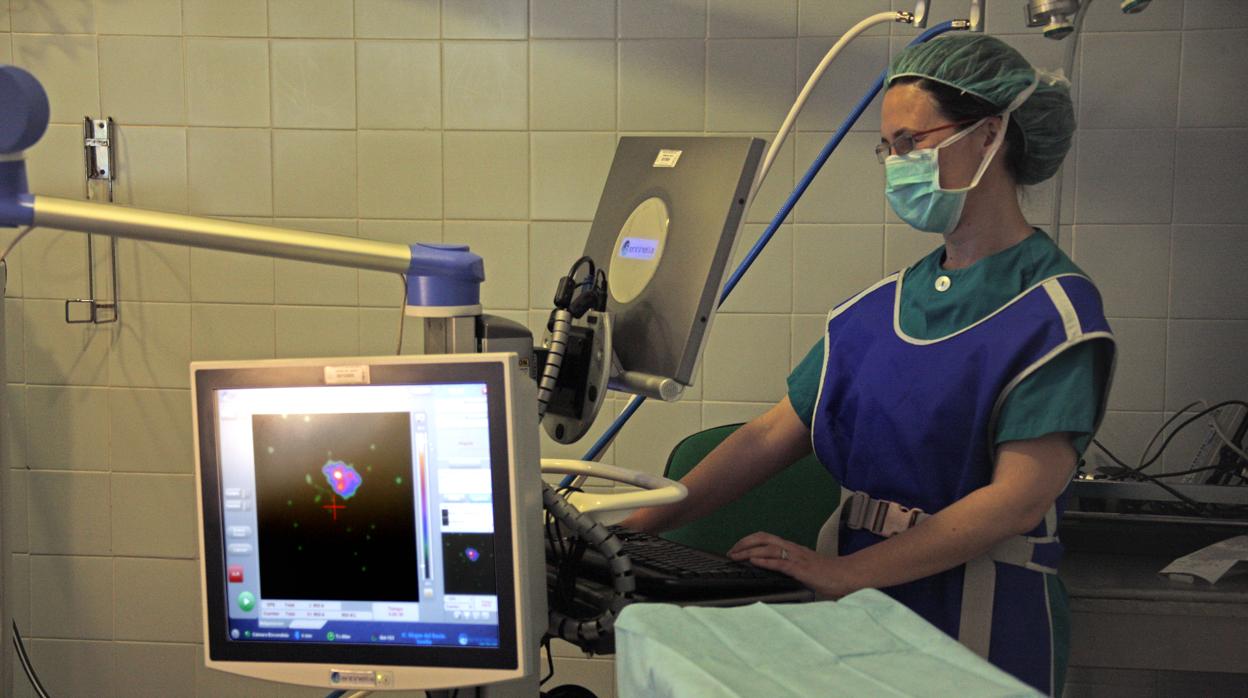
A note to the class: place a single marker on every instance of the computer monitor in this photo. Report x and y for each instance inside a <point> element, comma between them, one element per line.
<point>370,523</point>
<point>664,232</point>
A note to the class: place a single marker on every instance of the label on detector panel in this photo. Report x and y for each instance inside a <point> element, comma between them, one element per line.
<point>667,158</point>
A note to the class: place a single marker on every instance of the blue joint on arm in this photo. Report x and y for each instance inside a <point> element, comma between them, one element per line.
<point>444,276</point>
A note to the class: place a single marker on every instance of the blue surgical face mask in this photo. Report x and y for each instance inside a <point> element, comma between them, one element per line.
<point>912,185</point>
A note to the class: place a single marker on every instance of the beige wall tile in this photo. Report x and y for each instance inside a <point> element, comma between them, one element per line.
<point>228,277</point>
<point>17,595</point>
<point>311,18</point>
<point>17,513</point>
<point>716,414</point>
<point>485,19</point>
<point>569,170</point>
<point>156,669</point>
<point>486,175</point>
<point>141,80</point>
<point>504,247</point>
<point>778,184</point>
<point>844,83</point>
<point>150,431</point>
<point>574,85</point>
<point>14,427</point>
<point>1141,359</point>
<point>44,16</point>
<point>1207,184</point>
<point>151,168</point>
<point>163,17</point>
<point>161,600</point>
<point>817,18</point>
<point>317,331</point>
<point>54,165</point>
<point>154,515</point>
<point>69,513</point>
<point>767,287</point>
<point>1206,276</point>
<point>220,332</point>
<point>572,19</point>
<point>152,346</point>
<point>746,86</point>
<point>313,172</point>
<point>849,188</point>
<point>227,82</point>
<point>400,174</point>
<point>662,86</point>
<point>397,19</point>
<point>1203,361</point>
<point>225,17</point>
<point>808,331</point>
<point>230,172</point>
<point>662,19</point>
<point>62,354</point>
<point>71,597</point>
<point>313,83</point>
<point>903,246</point>
<point>399,84</point>
<point>743,361</point>
<point>150,271</point>
<point>652,433</point>
<point>1130,265</point>
<point>553,247</point>
<point>485,85</point>
<point>303,283</point>
<point>67,428</point>
<point>68,69</point>
<point>751,18</point>
<point>833,262</point>
<point>56,264</point>
<point>15,360</point>
<point>4,23</point>
<point>92,661</point>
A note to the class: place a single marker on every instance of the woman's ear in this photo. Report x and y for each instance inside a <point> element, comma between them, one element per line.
<point>991,128</point>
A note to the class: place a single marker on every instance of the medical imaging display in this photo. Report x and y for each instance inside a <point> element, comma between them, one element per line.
<point>335,506</point>
<point>468,563</point>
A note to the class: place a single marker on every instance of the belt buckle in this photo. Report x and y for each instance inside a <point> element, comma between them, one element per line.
<point>856,507</point>
<point>894,518</point>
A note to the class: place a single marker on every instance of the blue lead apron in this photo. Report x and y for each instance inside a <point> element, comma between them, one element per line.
<point>906,426</point>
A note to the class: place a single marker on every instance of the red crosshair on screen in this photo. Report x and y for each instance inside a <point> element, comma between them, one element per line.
<point>334,507</point>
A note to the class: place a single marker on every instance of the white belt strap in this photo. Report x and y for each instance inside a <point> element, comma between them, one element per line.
<point>885,518</point>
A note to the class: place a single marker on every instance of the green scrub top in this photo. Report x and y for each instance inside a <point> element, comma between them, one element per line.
<point>1064,395</point>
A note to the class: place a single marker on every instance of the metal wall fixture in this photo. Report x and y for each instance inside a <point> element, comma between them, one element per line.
<point>99,158</point>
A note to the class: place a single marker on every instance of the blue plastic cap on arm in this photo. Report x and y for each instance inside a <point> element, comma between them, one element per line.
<point>24,110</point>
<point>444,276</point>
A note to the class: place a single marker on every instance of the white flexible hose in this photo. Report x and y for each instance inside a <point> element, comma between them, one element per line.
<point>783,133</point>
<point>554,360</point>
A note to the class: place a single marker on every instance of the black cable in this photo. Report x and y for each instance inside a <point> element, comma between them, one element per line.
<point>546,643</point>
<point>27,666</point>
<point>1162,428</point>
<point>1149,478</point>
<point>1142,466</point>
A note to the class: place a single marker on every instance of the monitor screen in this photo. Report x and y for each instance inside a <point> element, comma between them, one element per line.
<point>358,513</point>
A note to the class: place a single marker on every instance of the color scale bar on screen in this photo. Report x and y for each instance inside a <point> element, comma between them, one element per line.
<point>422,450</point>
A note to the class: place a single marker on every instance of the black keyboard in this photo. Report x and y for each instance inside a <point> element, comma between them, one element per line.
<point>665,569</point>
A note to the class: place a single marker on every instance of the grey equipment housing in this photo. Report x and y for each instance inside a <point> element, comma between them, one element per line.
<point>665,277</point>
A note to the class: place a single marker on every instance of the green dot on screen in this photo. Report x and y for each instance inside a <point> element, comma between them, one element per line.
<point>317,499</point>
<point>307,479</point>
<point>296,524</point>
<point>368,537</point>
<point>363,568</point>
<point>299,548</point>
<point>289,503</point>
<point>348,529</point>
<point>398,480</point>
<point>372,526</point>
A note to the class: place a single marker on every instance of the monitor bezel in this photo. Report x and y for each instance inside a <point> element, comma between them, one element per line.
<point>209,379</point>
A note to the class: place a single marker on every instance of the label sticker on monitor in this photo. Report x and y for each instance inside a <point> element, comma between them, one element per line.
<point>347,375</point>
<point>667,158</point>
<point>638,248</point>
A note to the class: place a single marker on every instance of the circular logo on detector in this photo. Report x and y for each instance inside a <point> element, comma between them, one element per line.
<point>472,554</point>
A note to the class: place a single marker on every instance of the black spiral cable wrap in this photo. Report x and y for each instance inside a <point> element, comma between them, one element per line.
<point>562,323</point>
<point>582,632</point>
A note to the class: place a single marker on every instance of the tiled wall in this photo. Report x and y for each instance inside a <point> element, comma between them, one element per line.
<point>493,122</point>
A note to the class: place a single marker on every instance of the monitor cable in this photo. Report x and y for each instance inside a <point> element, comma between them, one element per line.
<point>587,632</point>
<point>27,666</point>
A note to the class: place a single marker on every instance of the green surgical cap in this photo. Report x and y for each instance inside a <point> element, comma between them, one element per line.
<point>990,69</point>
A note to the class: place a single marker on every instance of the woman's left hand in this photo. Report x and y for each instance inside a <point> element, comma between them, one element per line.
<point>826,576</point>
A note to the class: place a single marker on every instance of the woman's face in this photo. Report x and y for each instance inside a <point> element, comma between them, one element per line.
<point>909,109</point>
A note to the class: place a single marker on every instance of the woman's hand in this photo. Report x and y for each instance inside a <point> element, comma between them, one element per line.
<point>828,577</point>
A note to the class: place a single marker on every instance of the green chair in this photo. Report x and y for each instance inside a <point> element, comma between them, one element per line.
<point>793,505</point>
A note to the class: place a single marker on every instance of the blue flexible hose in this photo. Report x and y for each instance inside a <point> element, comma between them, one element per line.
<point>637,400</point>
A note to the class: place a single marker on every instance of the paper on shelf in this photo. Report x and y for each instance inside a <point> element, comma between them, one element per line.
<point>1210,563</point>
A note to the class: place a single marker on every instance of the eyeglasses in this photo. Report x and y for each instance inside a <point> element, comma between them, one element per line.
<point>905,142</point>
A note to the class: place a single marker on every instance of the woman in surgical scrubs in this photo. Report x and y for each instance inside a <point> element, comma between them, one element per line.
<point>951,400</point>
